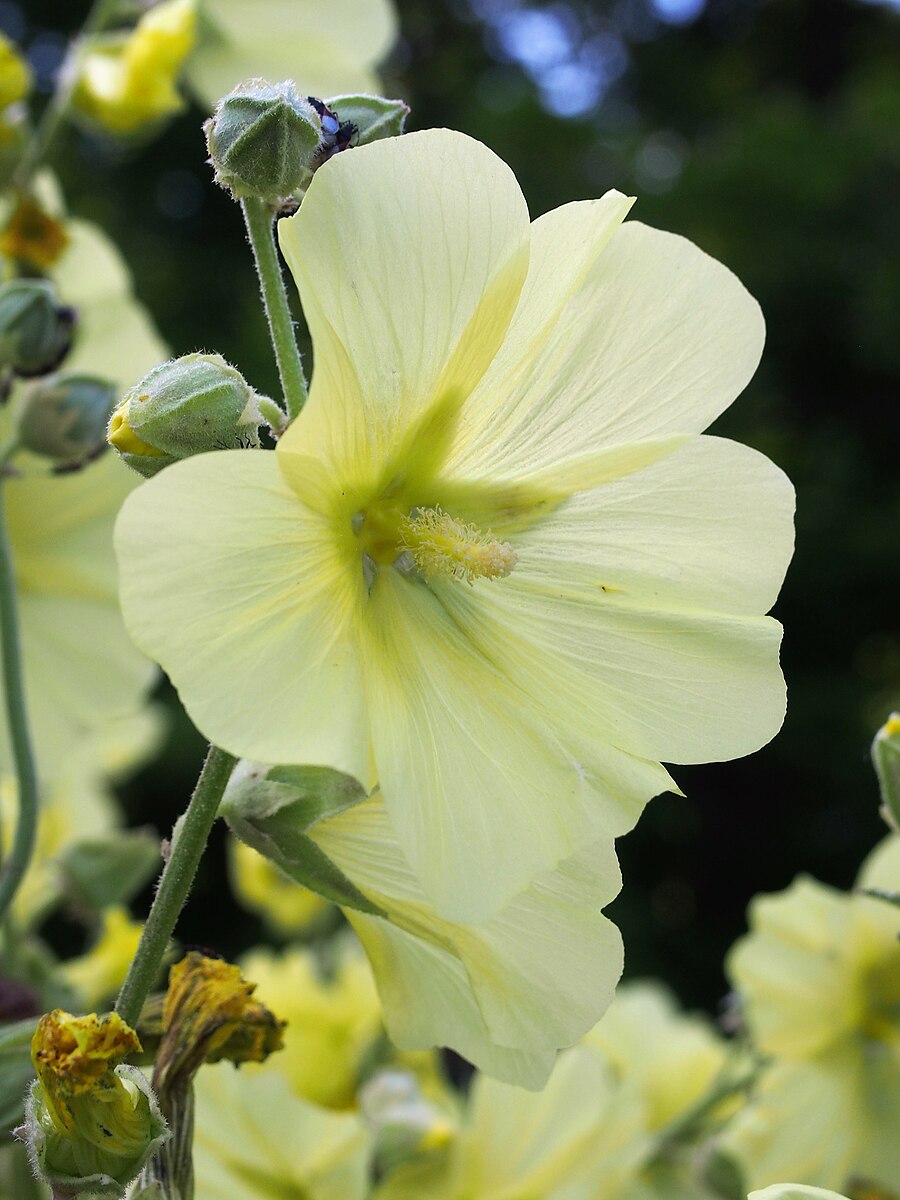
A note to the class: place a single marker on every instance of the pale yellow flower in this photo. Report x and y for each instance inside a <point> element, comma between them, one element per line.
<point>545,385</point>
<point>255,1139</point>
<point>81,668</point>
<point>578,1139</point>
<point>326,48</point>
<point>819,974</point>
<point>672,1058</point>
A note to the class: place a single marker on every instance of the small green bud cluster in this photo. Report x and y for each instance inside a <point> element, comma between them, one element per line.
<point>188,406</point>
<point>262,140</point>
<point>35,329</point>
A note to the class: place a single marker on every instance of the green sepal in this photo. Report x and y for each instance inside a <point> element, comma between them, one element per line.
<point>271,809</point>
<point>374,116</point>
<point>109,870</point>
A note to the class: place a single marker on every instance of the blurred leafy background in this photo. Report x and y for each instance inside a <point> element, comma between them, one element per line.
<point>767,131</point>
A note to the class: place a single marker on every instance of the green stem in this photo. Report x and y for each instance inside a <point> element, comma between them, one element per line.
<point>36,151</point>
<point>14,868</point>
<point>188,843</point>
<point>261,232</point>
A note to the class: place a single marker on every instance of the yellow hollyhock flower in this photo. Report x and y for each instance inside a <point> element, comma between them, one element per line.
<point>794,1191</point>
<point>327,48</point>
<point>491,566</point>
<point>254,1139</point>
<point>820,977</point>
<point>129,80</point>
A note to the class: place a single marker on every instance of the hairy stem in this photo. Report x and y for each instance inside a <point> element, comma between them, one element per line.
<point>261,232</point>
<point>188,843</point>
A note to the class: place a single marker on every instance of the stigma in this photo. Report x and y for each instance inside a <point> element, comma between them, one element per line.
<point>446,547</point>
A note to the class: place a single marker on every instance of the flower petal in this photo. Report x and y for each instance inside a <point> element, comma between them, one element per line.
<point>409,254</point>
<point>81,668</point>
<point>531,979</point>
<point>632,608</point>
<point>240,593</point>
<point>326,49</point>
<point>656,340</point>
<point>464,756</point>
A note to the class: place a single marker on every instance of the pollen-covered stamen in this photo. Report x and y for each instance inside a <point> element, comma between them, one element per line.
<point>444,546</point>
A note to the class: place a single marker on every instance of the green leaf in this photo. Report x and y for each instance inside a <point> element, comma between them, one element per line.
<point>111,869</point>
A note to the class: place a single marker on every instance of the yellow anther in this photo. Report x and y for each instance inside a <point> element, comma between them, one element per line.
<point>444,546</point>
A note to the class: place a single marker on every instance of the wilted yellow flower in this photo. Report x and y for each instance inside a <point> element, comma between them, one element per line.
<point>482,384</point>
<point>819,973</point>
<point>91,1122</point>
<point>32,236</point>
<point>129,80</point>
<point>255,1139</point>
<point>261,887</point>
<point>326,48</point>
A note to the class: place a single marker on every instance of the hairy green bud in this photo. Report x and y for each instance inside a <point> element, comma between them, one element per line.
<point>35,329</point>
<point>187,406</point>
<point>262,140</point>
<point>65,417</point>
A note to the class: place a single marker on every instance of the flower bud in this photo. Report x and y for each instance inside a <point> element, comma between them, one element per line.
<point>271,808</point>
<point>187,406</point>
<point>91,1122</point>
<point>262,140</point>
<point>65,418</point>
<point>372,117</point>
<point>886,760</point>
<point>35,330</point>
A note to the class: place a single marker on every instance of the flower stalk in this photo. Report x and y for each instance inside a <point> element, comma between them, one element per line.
<point>13,870</point>
<point>188,843</point>
<point>261,232</point>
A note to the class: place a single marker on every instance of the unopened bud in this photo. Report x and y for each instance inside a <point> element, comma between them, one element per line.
<point>65,418</point>
<point>262,140</point>
<point>91,1121</point>
<point>271,809</point>
<point>35,329</point>
<point>187,406</point>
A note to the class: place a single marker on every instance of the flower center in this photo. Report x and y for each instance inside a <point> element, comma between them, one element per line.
<point>441,546</point>
<point>445,547</point>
